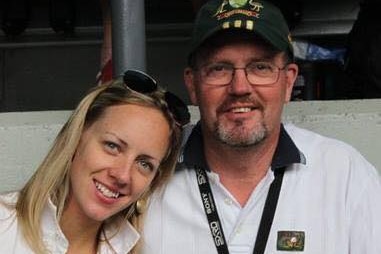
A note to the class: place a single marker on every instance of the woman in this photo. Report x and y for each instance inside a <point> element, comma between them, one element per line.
<point>117,147</point>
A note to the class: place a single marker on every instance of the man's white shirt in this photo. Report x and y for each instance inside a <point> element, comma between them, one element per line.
<point>333,198</point>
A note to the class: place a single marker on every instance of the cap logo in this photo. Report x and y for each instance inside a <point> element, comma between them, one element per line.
<point>237,3</point>
<point>237,23</point>
<point>248,8</point>
<point>248,25</point>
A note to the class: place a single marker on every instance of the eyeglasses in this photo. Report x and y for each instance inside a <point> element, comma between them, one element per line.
<point>257,73</point>
<point>141,82</point>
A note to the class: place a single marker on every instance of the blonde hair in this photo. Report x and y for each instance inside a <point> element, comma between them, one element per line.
<point>51,180</point>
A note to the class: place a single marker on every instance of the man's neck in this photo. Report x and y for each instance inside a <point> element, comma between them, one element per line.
<point>240,169</point>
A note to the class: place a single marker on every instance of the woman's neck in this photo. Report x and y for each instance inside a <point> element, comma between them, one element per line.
<point>82,235</point>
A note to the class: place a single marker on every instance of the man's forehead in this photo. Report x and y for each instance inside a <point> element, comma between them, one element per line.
<point>253,52</point>
<point>237,36</point>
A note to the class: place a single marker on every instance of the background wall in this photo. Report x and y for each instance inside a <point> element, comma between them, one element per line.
<point>26,136</point>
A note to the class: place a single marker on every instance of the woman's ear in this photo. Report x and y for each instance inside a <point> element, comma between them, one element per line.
<point>189,80</point>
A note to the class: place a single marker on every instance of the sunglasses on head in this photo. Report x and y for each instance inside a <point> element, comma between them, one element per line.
<point>143,83</point>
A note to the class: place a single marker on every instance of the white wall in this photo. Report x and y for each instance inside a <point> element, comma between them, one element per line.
<point>26,136</point>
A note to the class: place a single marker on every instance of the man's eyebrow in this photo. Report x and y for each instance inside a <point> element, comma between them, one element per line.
<point>264,57</point>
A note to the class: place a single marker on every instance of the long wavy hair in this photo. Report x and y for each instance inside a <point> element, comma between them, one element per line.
<point>51,179</point>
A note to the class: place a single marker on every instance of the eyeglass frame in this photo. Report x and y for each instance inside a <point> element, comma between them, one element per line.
<point>233,69</point>
<point>141,82</point>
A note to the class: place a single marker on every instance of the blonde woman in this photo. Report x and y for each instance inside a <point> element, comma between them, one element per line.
<point>118,146</point>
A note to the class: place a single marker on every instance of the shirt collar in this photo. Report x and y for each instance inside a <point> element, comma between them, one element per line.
<point>121,237</point>
<point>286,152</point>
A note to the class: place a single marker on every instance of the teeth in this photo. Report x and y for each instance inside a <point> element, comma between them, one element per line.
<point>105,191</point>
<point>241,110</point>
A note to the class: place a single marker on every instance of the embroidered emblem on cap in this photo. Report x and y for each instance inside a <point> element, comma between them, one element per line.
<point>237,23</point>
<point>290,241</point>
<point>237,3</point>
<point>232,7</point>
<point>261,17</point>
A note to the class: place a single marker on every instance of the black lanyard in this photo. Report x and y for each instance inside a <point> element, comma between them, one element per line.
<point>215,222</point>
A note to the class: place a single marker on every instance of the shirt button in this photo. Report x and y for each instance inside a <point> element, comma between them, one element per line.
<point>228,201</point>
<point>214,178</point>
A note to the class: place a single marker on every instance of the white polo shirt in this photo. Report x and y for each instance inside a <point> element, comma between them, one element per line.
<point>330,194</point>
<point>121,238</point>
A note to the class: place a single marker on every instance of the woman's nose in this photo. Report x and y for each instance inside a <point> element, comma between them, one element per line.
<point>122,172</point>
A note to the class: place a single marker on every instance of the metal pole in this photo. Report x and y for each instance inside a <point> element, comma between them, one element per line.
<point>128,35</point>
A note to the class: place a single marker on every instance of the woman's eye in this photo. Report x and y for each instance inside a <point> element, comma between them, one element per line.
<point>146,166</point>
<point>112,147</point>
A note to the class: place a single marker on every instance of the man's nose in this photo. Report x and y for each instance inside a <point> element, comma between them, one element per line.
<point>239,84</point>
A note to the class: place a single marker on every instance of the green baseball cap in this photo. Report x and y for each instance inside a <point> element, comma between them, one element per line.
<point>259,16</point>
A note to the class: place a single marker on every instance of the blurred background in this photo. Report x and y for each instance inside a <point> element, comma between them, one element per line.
<point>50,50</point>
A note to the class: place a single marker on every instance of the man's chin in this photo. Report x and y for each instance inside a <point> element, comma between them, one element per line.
<point>241,136</point>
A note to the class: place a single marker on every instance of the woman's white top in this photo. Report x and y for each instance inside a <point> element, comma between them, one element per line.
<point>121,238</point>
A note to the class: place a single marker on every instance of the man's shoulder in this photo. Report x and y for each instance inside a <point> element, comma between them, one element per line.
<point>180,179</point>
<point>308,140</point>
<point>329,153</point>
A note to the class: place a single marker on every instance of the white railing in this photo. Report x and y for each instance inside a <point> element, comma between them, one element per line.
<point>26,136</point>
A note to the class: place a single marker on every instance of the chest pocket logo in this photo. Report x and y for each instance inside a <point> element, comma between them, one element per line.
<point>290,241</point>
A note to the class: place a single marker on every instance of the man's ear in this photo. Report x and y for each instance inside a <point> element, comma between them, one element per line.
<point>189,80</point>
<point>291,75</point>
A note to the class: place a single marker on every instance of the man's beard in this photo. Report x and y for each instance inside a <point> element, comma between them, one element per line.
<point>239,135</point>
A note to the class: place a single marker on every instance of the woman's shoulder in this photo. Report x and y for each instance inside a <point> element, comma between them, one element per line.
<point>7,204</point>
<point>9,197</point>
<point>10,234</point>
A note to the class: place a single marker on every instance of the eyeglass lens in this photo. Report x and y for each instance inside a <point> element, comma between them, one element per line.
<point>257,73</point>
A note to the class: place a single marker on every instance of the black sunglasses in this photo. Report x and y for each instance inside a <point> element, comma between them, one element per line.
<point>143,83</point>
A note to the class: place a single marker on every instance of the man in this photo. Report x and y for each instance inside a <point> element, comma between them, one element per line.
<point>246,183</point>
